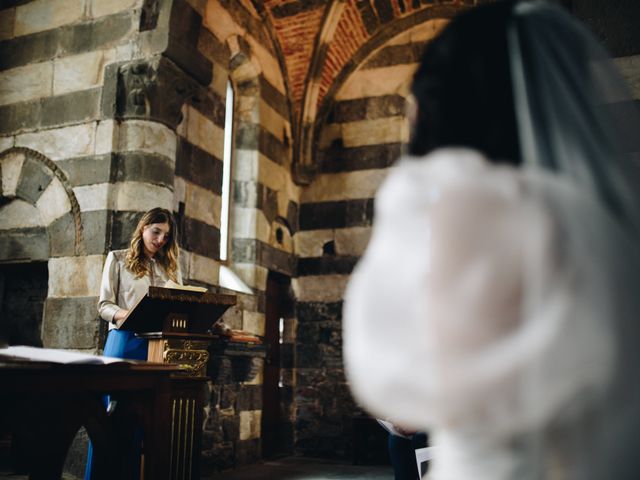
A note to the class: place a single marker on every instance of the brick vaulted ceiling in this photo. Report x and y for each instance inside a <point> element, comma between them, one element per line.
<point>318,40</point>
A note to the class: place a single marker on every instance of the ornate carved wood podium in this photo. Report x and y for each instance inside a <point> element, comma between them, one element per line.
<point>177,325</point>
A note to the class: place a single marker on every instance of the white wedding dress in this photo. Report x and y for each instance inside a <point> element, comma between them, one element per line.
<point>494,307</point>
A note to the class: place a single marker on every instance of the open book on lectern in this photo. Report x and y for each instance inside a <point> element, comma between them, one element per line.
<point>199,308</point>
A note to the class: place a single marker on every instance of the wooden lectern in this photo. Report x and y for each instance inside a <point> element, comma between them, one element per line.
<point>177,324</point>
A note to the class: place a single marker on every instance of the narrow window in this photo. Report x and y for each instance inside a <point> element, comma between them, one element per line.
<point>226,174</point>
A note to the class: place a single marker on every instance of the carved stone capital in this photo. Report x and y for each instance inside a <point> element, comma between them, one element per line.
<point>153,89</point>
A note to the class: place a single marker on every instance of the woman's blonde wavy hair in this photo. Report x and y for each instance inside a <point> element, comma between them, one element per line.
<point>136,260</point>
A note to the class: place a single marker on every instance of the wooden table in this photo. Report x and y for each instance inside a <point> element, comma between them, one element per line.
<point>46,404</point>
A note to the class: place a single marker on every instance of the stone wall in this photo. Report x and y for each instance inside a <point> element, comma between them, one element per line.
<point>110,108</point>
<point>264,215</point>
<point>364,134</point>
<point>359,139</point>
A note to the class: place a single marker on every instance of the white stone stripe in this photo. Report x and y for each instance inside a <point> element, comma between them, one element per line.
<point>630,69</point>
<point>255,276</point>
<point>251,166</point>
<point>200,268</point>
<point>19,214</point>
<point>202,204</point>
<point>145,136</point>
<point>319,288</point>
<point>100,8</point>
<point>61,143</point>
<point>11,168</point>
<point>202,132</point>
<point>348,241</point>
<point>420,33</point>
<point>26,83</point>
<point>41,15</point>
<point>250,421</point>
<point>276,177</point>
<point>6,143</point>
<point>367,132</point>
<point>94,197</point>
<point>75,276</point>
<point>344,186</point>
<point>250,223</point>
<point>80,72</point>
<point>273,122</point>
<point>54,202</point>
<point>134,196</point>
<point>253,322</point>
<point>142,196</point>
<point>375,82</point>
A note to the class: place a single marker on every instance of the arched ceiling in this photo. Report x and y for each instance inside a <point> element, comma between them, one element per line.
<point>318,39</point>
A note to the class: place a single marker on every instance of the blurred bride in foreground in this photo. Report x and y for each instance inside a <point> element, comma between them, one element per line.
<point>496,304</point>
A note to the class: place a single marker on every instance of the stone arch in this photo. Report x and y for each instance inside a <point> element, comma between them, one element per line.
<point>379,40</point>
<point>36,194</point>
<point>33,178</point>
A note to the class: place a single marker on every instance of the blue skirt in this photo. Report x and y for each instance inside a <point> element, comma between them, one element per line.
<point>121,344</point>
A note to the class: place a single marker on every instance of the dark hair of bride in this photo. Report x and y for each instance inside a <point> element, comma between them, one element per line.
<point>463,88</point>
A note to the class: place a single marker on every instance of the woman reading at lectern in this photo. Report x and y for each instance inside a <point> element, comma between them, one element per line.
<point>150,260</point>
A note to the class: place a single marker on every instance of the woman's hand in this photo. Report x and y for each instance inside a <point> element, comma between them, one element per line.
<point>120,314</point>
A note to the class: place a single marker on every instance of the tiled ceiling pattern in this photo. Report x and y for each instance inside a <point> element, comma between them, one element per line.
<point>296,24</point>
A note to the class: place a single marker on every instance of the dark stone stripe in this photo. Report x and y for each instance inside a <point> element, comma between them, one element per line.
<point>272,147</point>
<point>251,23</point>
<point>198,166</point>
<point>272,97</point>
<point>94,225</point>
<point>213,49</point>
<point>320,333</point>
<point>249,250</point>
<point>17,117</point>
<point>256,195</point>
<point>292,216</point>
<point>307,312</point>
<point>6,4</point>
<point>123,223</point>
<point>385,10</point>
<point>247,194</point>
<point>247,451</point>
<point>89,170</point>
<point>326,265</point>
<point>144,167</point>
<point>249,398</point>
<point>396,55</point>
<point>212,107</point>
<point>35,177</point>
<point>67,109</point>
<point>62,232</point>
<point>296,7</point>
<point>368,15</point>
<point>246,136</point>
<point>184,27</point>
<point>369,108</point>
<point>339,159</point>
<point>249,135</point>
<point>134,166</point>
<point>340,214</point>
<point>201,238</point>
<point>24,244</point>
<point>287,360</point>
<point>74,107</point>
<point>71,322</point>
<point>67,40</point>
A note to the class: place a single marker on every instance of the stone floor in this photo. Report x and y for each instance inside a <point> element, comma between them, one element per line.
<point>303,468</point>
<point>289,468</point>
